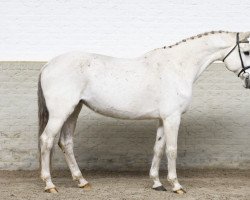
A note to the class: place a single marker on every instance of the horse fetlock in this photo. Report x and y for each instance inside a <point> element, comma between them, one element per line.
<point>50,187</point>
<point>45,176</point>
<point>77,176</point>
<point>81,181</point>
<point>157,184</point>
<point>175,183</point>
<point>153,173</point>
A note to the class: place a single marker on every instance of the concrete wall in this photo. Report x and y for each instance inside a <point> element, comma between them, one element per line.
<point>213,133</point>
<point>42,29</point>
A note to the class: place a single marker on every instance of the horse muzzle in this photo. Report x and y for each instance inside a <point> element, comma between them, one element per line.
<point>247,81</point>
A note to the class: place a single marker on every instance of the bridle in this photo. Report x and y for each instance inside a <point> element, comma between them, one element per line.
<point>242,63</point>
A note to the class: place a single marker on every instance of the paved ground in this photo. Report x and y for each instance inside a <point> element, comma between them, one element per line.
<point>200,184</point>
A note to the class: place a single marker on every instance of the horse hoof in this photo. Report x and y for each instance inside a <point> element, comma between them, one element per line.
<point>86,187</point>
<point>51,190</point>
<point>160,188</point>
<point>180,191</point>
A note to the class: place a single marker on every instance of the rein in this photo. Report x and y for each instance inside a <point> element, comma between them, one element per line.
<point>242,63</point>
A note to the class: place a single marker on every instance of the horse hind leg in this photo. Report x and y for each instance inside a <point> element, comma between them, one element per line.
<point>57,117</point>
<point>66,145</point>
<point>47,140</point>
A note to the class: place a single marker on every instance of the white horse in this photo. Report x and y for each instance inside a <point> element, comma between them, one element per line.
<point>157,85</point>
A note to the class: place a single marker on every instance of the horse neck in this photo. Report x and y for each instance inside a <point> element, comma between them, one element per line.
<point>194,56</point>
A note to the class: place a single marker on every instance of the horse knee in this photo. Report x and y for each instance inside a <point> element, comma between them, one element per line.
<point>171,153</point>
<point>153,173</point>
<point>159,146</point>
<point>158,152</point>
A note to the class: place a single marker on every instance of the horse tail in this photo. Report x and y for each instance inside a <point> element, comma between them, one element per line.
<point>43,114</point>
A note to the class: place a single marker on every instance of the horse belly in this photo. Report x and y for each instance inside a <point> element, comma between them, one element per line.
<point>118,100</point>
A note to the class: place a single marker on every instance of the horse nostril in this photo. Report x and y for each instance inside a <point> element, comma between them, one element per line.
<point>246,53</point>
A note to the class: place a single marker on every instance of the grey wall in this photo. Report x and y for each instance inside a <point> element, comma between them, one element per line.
<point>214,132</point>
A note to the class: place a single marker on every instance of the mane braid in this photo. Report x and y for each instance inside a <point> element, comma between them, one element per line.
<point>195,37</point>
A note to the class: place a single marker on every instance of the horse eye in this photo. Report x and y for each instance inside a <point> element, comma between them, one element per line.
<point>246,53</point>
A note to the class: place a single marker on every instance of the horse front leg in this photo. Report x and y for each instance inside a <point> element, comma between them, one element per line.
<point>171,127</point>
<point>159,147</point>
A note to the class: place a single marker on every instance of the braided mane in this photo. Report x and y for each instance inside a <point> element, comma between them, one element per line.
<point>195,37</point>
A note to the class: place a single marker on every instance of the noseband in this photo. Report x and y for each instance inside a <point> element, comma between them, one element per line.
<point>242,63</point>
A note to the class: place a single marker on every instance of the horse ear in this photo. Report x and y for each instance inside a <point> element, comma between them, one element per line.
<point>244,36</point>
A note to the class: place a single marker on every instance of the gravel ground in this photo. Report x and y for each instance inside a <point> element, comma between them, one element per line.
<point>200,184</point>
